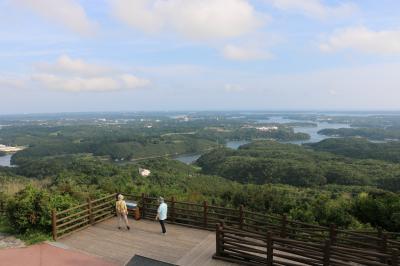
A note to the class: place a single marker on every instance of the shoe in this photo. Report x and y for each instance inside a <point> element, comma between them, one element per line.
<point>128,228</point>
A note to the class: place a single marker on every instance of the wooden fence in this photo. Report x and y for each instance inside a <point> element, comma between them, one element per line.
<point>81,216</point>
<point>2,207</point>
<point>205,216</point>
<point>246,248</point>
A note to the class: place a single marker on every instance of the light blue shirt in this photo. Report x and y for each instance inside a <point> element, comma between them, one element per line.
<point>162,211</point>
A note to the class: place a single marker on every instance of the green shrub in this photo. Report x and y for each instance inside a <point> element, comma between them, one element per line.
<point>30,209</point>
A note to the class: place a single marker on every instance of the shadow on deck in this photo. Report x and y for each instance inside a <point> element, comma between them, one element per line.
<point>181,246</point>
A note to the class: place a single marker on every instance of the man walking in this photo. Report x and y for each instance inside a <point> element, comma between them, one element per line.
<point>162,214</point>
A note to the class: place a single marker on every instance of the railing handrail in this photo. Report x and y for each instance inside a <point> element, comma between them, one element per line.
<point>205,216</point>
<point>78,217</point>
<point>275,217</point>
<point>268,249</point>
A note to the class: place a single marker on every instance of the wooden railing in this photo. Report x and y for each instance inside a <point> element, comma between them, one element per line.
<point>205,216</point>
<point>81,216</point>
<point>246,248</point>
<point>2,207</point>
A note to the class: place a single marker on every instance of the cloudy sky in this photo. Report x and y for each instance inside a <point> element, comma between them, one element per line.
<point>128,55</point>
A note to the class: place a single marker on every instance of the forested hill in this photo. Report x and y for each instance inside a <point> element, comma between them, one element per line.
<point>370,133</point>
<point>272,162</point>
<point>135,140</point>
<point>360,148</point>
<point>69,180</point>
<point>64,163</point>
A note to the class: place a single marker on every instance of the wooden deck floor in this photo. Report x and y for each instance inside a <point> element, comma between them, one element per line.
<point>181,246</point>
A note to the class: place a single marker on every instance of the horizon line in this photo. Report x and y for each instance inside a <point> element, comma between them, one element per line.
<point>208,110</point>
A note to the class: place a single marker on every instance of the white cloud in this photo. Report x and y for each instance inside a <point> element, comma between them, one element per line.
<point>314,8</point>
<point>362,39</point>
<point>68,13</point>
<point>243,53</point>
<point>74,75</point>
<point>357,87</point>
<point>7,82</point>
<point>92,84</point>
<point>233,88</point>
<point>194,19</point>
<point>32,53</point>
<point>333,92</point>
<point>65,64</point>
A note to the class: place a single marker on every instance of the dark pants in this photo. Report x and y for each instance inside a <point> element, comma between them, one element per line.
<point>162,226</point>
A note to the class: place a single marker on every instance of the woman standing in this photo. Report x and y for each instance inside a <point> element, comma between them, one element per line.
<point>122,211</point>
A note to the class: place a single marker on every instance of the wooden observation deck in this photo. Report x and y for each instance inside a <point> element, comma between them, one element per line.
<point>197,233</point>
<point>180,246</point>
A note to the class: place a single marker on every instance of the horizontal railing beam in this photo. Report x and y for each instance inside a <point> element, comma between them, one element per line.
<point>244,224</point>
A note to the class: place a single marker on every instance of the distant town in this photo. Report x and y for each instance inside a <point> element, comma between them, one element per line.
<point>10,149</point>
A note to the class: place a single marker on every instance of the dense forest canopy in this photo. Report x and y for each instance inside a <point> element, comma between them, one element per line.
<point>371,133</point>
<point>75,178</point>
<point>144,138</point>
<point>263,162</point>
<point>360,148</point>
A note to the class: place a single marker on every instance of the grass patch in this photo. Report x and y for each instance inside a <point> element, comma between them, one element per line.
<point>29,237</point>
<point>34,237</point>
<point>4,225</point>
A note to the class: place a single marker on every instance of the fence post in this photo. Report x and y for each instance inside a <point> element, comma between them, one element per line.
<point>379,232</point>
<point>218,240</point>
<point>143,206</point>
<point>90,211</point>
<point>383,246</point>
<point>173,209</point>
<point>241,216</point>
<point>332,233</point>
<point>221,236</point>
<point>379,241</point>
<point>270,249</point>
<point>205,211</point>
<point>327,253</point>
<point>395,257</point>
<point>283,226</point>
<point>54,224</point>
<point>384,243</point>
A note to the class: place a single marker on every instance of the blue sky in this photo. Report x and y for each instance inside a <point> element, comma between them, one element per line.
<point>129,55</point>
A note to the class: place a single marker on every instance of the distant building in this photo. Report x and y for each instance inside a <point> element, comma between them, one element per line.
<point>5,148</point>
<point>267,128</point>
<point>144,172</point>
<point>183,118</point>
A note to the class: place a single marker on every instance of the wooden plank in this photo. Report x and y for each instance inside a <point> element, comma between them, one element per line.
<point>144,238</point>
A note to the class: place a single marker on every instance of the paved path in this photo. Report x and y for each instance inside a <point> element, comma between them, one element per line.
<point>48,255</point>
